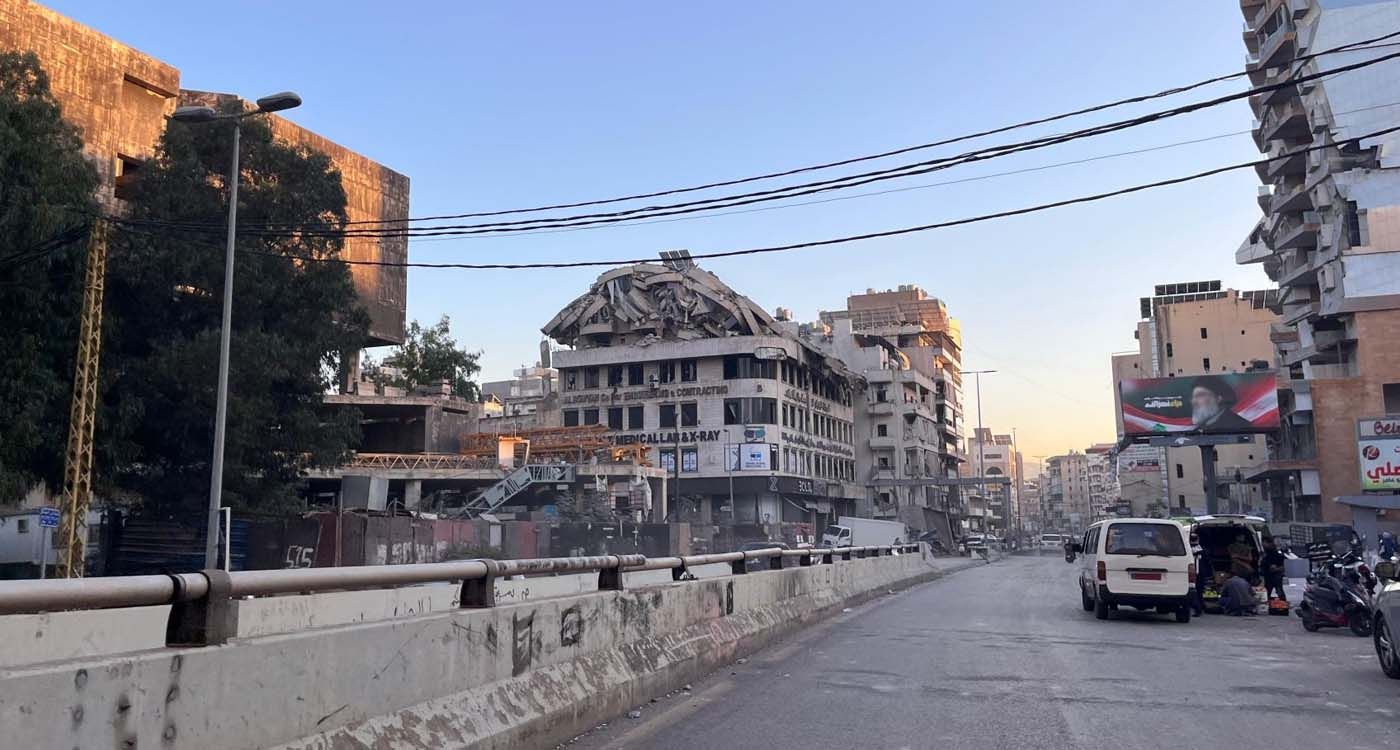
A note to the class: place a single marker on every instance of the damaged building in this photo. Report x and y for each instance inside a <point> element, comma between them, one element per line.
<point>753,424</point>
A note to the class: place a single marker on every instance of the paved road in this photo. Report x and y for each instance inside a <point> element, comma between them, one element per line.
<point>1002,656</point>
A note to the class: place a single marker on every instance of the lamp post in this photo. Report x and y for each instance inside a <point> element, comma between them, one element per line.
<point>981,463</point>
<point>196,115</point>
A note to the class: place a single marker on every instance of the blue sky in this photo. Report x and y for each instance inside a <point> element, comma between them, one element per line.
<point>507,105</point>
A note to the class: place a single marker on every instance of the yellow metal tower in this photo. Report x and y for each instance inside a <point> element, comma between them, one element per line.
<point>77,468</point>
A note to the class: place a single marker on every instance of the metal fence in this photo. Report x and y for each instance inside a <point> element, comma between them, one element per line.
<point>202,603</point>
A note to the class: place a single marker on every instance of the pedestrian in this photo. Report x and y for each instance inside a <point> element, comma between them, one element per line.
<point>1204,573</point>
<point>1272,566</point>
<point>1236,597</point>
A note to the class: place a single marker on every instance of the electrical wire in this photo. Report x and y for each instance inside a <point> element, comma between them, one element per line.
<point>794,190</point>
<point>840,240</point>
<point>908,188</point>
<point>1371,43</point>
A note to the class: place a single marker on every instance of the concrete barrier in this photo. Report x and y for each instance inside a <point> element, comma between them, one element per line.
<point>516,675</point>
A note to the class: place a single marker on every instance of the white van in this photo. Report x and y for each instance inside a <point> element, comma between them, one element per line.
<point>1144,563</point>
<point>1052,543</point>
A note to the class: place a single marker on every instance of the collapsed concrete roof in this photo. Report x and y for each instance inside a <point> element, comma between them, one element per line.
<point>647,301</point>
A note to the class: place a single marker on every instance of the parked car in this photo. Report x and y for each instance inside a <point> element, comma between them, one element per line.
<point>1144,563</point>
<point>1386,624</point>
<point>1052,543</point>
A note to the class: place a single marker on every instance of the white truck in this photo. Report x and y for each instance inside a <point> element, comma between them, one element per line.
<point>863,532</point>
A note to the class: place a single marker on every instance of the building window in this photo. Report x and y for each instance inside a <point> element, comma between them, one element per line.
<point>666,372</point>
<point>666,457</point>
<point>127,169</point>
<point>668,415</point>
<point>881,396</point>
<point>1203,333</point>
<point>884,462</point>
<point>1180,474</point>
<point>635,375</point>
<point>590,377</point>
<point>634,418</point>
<point>690,460</point>
<point>1353,220</point>
<point>690,414</point>
<point>751,411</point>
<point>1205,363</point>
<point>571,418</point>
<point>571,380</point>
<point>590,416</point>
<point>1181,500</point>
<point>614,376</point>
<point>22,526</point>
<point>1391,393</point>
<point>615,418</point>
<point>1169,348</point>
<point>689,371</point>
<point>749,366</point>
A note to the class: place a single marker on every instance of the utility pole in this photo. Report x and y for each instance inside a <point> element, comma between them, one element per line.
<point>981,464</point>
<point>77,462</point>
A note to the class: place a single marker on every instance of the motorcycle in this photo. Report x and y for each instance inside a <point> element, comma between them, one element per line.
<point>1336,598</point>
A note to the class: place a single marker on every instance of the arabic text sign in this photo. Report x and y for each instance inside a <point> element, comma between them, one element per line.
<point>1224,404</point>
<point>1378,451</point>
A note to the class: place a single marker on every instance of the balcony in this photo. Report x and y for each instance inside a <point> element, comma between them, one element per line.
<point>882,442</point>
<point>1278,48</point>
<point>1251,38</point>
<point>1275,77</point>
<point>1286,121</point>
<point>1285,160</point>
<point>1265,197</point>
<point>1254,248</point>
<point>1298,8</point>
<point>1290,198</point>
<point>1293,314</point>
<point>880,408</point>
<point>1294,233</point>
<point>1282,334</point>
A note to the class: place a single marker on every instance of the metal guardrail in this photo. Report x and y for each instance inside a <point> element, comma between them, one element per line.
<point>202,602</point>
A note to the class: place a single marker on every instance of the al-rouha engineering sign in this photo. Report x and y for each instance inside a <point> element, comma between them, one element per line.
<point>1236,403</point>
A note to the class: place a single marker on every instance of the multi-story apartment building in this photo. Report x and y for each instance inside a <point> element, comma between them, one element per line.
<point>1069,492</point>
<point>922,387</point>
<point>528,400</point>
<point>1330,238</point>
<point>1103,479</point>
<point>900,453</point>
<point>755,423</point>
<point>1192,328</point>
<point>995,457</point>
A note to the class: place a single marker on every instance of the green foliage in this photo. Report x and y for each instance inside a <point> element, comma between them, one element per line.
<point>291,323</point>
<point>429,356</point>
<point>46,190</point>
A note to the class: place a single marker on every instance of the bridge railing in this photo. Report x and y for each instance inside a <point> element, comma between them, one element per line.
<point>202,603</point>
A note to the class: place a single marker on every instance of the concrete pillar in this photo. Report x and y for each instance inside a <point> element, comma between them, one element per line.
<point>412,493</point>
<point>660,516</point>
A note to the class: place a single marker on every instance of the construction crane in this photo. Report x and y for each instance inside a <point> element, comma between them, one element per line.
<point>77,464</point>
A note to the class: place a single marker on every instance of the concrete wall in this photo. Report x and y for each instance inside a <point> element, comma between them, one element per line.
<point>521,675</point>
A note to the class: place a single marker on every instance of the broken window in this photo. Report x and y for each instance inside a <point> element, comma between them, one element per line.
<point>689,371</point>
<point>690,414</point>
<point>127,170</point>
<point>590,377</point>
<point>614,376</point>
<point>667,372</point>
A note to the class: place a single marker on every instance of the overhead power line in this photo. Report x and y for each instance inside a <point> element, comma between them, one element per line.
<point>793,190</point>
<point>837,240</point>
<point>1371,43</point>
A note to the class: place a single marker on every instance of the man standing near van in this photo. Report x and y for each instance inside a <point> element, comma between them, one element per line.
<point>1272,567</point>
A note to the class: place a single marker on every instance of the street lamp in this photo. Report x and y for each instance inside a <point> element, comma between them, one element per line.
<point>981,462</point>
<point>193,115</point>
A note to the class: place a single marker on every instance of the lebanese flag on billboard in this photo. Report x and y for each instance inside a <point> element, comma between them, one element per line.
<point>1230,404</point>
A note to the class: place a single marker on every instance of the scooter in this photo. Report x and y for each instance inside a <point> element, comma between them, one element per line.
<point>1335,598</point>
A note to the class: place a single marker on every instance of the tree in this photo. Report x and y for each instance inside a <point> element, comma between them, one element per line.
<point>46,202</point>
<point>429,356</point>
<point>291,321</point>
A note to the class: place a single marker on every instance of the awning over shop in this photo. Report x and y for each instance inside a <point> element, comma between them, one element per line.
<point>1278,470</point>
<point>1377,502</point>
